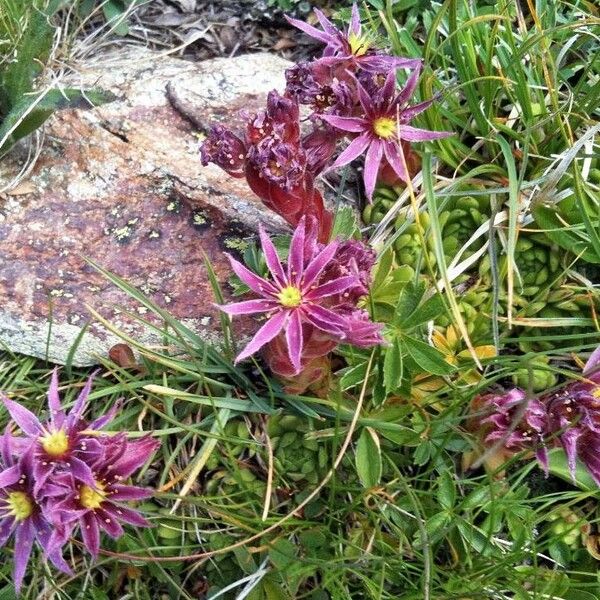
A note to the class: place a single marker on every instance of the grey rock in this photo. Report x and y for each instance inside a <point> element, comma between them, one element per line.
<point>122,185</point>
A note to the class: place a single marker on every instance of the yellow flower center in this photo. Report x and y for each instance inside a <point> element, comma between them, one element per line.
<point>55,443</point>
<point>20,505</point>
<point>90,497</point>
<point>358,44</point>
<point>290,297</point>
<point>384,127</point>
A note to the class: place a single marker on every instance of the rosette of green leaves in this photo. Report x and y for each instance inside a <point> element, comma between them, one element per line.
<point>298,459</point>
<point>459,219</point>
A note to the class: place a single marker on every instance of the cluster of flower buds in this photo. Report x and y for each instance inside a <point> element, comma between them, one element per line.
<point>311,304</point>
<point>64,476</point>
<point>567,418</point>
<point>351,94</point>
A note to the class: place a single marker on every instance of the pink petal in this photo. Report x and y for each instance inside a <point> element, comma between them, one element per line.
<point>309,30</point>
<point>352,124</point>
<point>318,263</point>
<point>389,87</point>
<point>122,493</point>
<point>325,320</point>
<point>271,257</point>
<point>365,100</point>
<point>248,307</point>
<point>378,63</point>
<point>82,471</point>
<point>355,21</point>
<point>254,282</point>
<point>23,543</point>
<point>372,162</point>
<point>336,286</point>
<point>409,88</point>
<point>10,476</point>
<point>592,362</point>
<point>296,255</point>
<point>264,335</point>
<point>24,418</point>
<point>90,534</point>
<point>293,336</point>
<point>413,134</point>
<point>408,113</point>
<point>80,404</point>
<point>108,523</point>
<point>127,515</point>
<point>392,153</point>
<point>355,149</point>
<point>326,24</point>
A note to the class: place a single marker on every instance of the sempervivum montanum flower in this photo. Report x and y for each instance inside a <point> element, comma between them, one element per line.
<point>352,47</point>
<point>65,441</point>
<point>574,418</point>
<point>22,515</point>
<point>382,127</point>
<point>300,295</point>
<point>514,423</point>
<point>65,471</point>
<point>100,507</point>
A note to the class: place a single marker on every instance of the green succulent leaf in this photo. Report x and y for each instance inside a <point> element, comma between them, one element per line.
<point>345,225</point>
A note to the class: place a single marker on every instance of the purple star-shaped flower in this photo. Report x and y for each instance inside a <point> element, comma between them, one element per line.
<point>574,417</point>
<point>382,128</point>
<point>294,295</point>
<point>22,516</point>
<point>516,421</point>
<point>100,507</point>
<point>66,440</point>
<point>352,46</point>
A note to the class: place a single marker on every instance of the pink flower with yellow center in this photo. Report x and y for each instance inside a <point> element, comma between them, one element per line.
<point>353,46</point>
<point>292,296</point>
<point>382,128</point>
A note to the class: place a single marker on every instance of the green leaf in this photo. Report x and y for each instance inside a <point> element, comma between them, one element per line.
<point>392,366</point>
<point>114,13</point>
<point>446,493</point>
<point>558,465</point>
<point>368,458</point>
<point>31,111</point>
<point>577,243</point>
<point>345,225</point>
<point>408,301</point>
<point>428,358</point>
<point>430,309</point>
<point>282,553</point>
<point>560,552</point>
